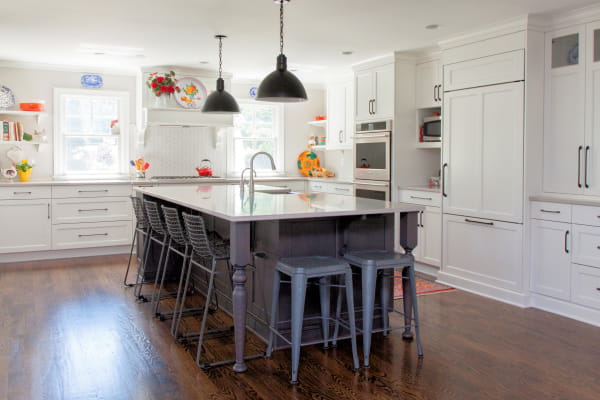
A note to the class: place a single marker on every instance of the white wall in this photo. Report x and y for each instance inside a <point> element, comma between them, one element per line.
<point>38,84</point>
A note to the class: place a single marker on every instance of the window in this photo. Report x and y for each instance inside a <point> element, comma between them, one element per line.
<point>259,127</point>
<point>84,142</point>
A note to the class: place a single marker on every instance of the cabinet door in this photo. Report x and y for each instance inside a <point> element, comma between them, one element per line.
<point>349,113</point>
<point>551,258</point>
<point>426,84</point>
<point>26,225</point>
<point>336,114</point>
<point>431,246</point>
<point>483,251</point>
<point>586,245</point>
<point>564,110</point>
<point>592,131</point>
<point>364,94</point>
<point>383,106</point>
<point>418,251</point>
<point>483,152</point>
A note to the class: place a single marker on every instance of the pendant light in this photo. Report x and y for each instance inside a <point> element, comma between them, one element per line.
<point>219,101</point>
<point>281,85</point>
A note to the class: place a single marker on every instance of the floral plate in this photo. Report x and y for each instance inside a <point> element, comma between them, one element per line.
<point>308,162</point>
<point>7,98</point>
<point>192,93</point>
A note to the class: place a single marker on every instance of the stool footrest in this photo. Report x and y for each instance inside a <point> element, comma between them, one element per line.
<point>206,366</point>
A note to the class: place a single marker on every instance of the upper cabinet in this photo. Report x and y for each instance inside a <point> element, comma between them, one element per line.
<point>429,84</point>
<point>340,116</point>
<point>374,93</point>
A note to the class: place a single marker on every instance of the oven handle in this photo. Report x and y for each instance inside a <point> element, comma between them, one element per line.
<point>368,136</point>
<point>371,184</point>
<point>444,180</point>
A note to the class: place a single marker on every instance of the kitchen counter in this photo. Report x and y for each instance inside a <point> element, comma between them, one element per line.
<point>225,201</point>
<point>288,225</point>
<point>565,199</point>
<point>434,189</point>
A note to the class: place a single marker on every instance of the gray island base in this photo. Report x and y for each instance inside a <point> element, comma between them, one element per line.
<point>265,227</point>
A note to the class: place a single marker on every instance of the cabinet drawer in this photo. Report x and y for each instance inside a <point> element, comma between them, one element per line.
<point>551,211</point>
<point>491,70</point>
<point>61,192</point>
<point>586,215</point>
<point>421,197</point>
<point>99,209</point>
<point>25,192</point>
<point>586,245</point>
<point>318,186</point>
<point>340,188</point>
<point>585,288</point>
<point>100,234</point>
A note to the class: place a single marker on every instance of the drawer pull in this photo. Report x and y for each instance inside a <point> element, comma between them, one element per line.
<point>17,193</point>
<point>342,189</point>
<point>478,222</point>
<point>93,234</point>
<point>551,211</point>
<point>421,198</point>
<point>566,241</point>
<point>92,209</point>
<point>93,191</point>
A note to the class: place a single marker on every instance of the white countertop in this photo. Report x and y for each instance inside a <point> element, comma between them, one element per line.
<point>224,201</point>
<point>566,199</point>
<point>434,189</point>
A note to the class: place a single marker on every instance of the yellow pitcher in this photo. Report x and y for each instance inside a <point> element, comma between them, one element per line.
<point>24,176</point>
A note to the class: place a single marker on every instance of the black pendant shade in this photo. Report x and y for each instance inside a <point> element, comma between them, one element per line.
<point>220,101</point>
<point>281,85</point>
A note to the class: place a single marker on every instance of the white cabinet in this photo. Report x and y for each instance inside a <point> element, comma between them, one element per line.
<point>586,245</point>
<point>564,111</point>
<point>483,251</point>
<point>340,118</point>
<point>550,258</point>
<point>585,289</point>
<point>25,225</point>
<point>97,234</point>
<point>346,189</point>
<point>429,247</point>
<point>429,84</point>
<point>592,129</point>
<point>482,153</point>
<point>374,89</point>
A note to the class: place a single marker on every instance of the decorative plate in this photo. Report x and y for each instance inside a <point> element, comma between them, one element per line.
<point>192,93</point>
<point>308,162</point>
<point>91,81</point>
<point>253,91</point>
<point>7,98</point>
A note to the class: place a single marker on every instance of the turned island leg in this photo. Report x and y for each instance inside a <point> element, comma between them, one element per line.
<point>408,241</point>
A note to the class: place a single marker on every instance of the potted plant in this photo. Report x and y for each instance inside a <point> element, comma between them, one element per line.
<point>24,170</point>
<point>161,86</point>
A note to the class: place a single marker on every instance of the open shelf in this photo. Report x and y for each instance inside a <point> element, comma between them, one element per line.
<point>19,113</point>
<point>321,123</point>
<point>429,145</point>
<point>38,145</point>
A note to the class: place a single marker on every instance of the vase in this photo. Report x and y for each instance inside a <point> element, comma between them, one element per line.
<point>140,174</point>
<point>24,176</point>
<point>161,101</point>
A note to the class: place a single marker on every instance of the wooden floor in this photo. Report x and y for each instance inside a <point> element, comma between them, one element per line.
<point>69,330</point>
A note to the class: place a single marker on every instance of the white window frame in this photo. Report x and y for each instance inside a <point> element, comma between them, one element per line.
<point>279,125</point>
<point>59,117</point>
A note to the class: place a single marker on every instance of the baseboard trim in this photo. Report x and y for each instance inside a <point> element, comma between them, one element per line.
<point>503,295</point>
<point>56,254</point>
<point>566,309</point>
<point>427,269</point>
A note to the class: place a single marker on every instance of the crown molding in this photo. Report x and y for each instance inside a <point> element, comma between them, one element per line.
<point>578,16</point>
<point>83,69</point>
<point>499,29</point>
<point>373,62</point>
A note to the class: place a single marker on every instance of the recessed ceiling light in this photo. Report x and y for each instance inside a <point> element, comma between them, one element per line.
<point>432,27</point>
<point>99,49</point>
<point>347,52</point>
<point>202,62</point>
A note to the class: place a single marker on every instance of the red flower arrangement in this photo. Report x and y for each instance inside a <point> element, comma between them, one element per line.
<point>160,84</point>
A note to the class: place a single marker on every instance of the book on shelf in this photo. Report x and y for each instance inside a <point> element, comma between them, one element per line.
<point>12,131</point>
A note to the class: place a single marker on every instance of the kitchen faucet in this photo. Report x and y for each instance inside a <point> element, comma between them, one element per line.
<point>252,172</point>
<point>242,178</point>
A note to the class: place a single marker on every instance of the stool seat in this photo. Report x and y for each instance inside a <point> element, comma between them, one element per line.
<point>378,258</point>
<point>312,266</point>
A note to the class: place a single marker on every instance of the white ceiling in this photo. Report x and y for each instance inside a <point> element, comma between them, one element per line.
<point>180,32</point>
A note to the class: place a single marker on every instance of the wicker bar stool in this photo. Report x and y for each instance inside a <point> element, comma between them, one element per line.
<point>300,270</point>
<point>371,262</point>
<point>142,229</point>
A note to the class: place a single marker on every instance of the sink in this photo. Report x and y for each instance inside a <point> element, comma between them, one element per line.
<point>272,189</point>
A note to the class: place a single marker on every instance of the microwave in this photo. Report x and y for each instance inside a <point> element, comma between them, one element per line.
<point>432,129</point>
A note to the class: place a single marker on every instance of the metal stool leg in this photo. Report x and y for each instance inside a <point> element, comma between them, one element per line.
<point>413,291</point>
<point>408,304</point>
<point>135,234</point>
<point>211,285</point>
<point>274,312</point>
<point>325,299</point>
<point>369,279</point>
<point>385,296</point>
<point>338,313</point>
<point>159,270</point>
<point>182,278</point>
<point>351,316</point>
<point>142,267</point>
<point>298,298</point>
<point>177,317</point>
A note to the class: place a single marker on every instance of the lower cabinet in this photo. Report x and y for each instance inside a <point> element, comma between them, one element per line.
<point>484,252</point>
<point>331,187</point>
<point>97,234</point>
<point>26,225</point>
<point>429,249</point>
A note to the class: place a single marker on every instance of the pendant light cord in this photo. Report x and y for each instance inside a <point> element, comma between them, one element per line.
<point>220,55</point>
<point>281,27</point>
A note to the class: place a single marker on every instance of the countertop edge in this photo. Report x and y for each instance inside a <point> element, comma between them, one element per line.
<point>565,199</point>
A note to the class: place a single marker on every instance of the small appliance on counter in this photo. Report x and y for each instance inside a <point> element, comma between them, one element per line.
<point>205,168</point>
<point>432,129</point>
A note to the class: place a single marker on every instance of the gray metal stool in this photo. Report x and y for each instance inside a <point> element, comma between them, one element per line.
<point>142,229</point>
<point>370,262</point>
<point>300,269</point>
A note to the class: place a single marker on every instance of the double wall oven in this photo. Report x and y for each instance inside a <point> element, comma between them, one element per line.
<point>372,159</point>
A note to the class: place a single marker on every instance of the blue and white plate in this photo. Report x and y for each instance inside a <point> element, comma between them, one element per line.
<point>7,98</point>
<point>91,81</point>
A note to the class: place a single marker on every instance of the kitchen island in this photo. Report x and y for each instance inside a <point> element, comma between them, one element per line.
<point>266,226</point>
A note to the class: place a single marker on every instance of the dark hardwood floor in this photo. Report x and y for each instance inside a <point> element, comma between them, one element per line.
<point>69,330</point>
